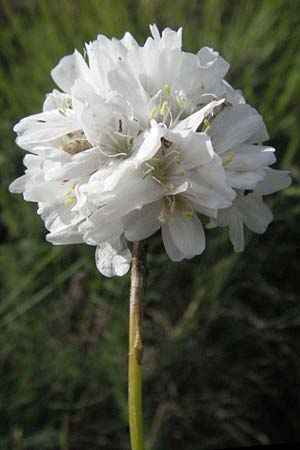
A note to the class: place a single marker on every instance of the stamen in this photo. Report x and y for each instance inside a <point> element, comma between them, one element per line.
<point>187,214</point>
<point>207,125</point>
<point>148,171</point>
<point>154,160</point>
<point>167,217</point>
<point>69,192</point>
<point>153,112</point>
<point>228,159</point>
<point>164,108</point>
<point>168,90</point>
<point>180,101</point>
<point>116,155</point>
<point>158,181</point>
<point>173,206</point>
<point>70,200</point>
<point>158,93</point>
<point>177,159</point>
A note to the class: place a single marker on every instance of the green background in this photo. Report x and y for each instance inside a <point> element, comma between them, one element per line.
<point>222,332</point>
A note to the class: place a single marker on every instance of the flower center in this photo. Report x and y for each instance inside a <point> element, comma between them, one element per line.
<point>117,136</point>
<point>173,203</point>
<point>164,168</point>
<point>168,107</point>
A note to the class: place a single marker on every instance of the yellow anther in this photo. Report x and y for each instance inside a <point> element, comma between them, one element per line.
<point>180,101</point>
<point>173,206</point>
<point>62,111</point>
<point>207,125</point>
<point>168,90</point>
<point>167,217</point>
<point>164,108</point>
<point>228,159</point>
<point>154,160</point>
<point>70,200</point>
<point>158,93</point>
<point>148,171</point>
<point>153,112</point>
<point>177,159</point>
<point>69,192</point>
<point>69,102</point>
<point>187,214</point>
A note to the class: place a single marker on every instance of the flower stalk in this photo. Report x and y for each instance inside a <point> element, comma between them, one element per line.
<point>138,276</point>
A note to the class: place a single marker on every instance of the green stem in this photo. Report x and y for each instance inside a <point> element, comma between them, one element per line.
<point>138,273</point>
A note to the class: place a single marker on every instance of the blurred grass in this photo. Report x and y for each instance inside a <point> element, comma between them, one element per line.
<point>222,331</point>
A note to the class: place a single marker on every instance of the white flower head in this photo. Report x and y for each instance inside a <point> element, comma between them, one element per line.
<point>145,138</point>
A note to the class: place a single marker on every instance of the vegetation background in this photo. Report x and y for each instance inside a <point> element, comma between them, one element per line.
<point>222,332</point>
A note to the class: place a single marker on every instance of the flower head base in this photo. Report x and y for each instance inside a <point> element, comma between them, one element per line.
<point>141,139</point>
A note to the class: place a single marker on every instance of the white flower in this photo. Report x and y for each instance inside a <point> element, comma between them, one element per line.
<point>141,139</point>
<point>249,208</point>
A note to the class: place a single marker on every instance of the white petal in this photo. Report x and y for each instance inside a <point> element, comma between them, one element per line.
<point>210,58</point>
<point>210,185</point>
<point>231,217</point>
<point>247,157</point>
<point>195,148</point>
<point>98,115</point>
<point>155,32</point>
<point>129,192</point>
<point>58,217</point>
<point>255,214</point>
<point>100,228</point>
<point>18,185</point>
<point>274,180</point>
<point>82,164</point>
<point>196,204</point>
<point>244,180</point>
<point>128,40</point>
<point>151,144</point>
<point>45,126</point>
<point>37,190</point>
<point>113,259</point>
<point>234,126</point>
<point>172,251</point>
<point>187,235</point>
<point>56,100</point>
<point>68,70</point>
<point>170,39</point>
<point>65,237</point>
<point>124,80</point>
<point>142,223</point>
<point>193,121</point>
<point>236,231</point>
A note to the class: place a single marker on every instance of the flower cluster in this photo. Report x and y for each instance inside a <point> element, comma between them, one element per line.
<point>146,138</point>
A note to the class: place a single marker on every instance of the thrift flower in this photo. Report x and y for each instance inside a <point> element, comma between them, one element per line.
<point>146,138</point>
